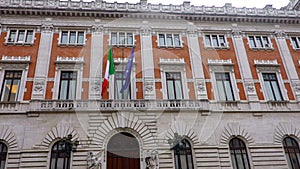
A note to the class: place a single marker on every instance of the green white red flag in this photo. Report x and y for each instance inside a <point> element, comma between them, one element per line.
<point>110,70</point>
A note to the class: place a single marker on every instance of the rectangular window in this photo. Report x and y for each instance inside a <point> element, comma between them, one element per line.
<point>67,89</point>
<point>224,87</point>
<point>119,82</point>
<point>215,41</point>
<point>259,42</point>
<point>174,85</point>
<point>121,39</point>
<point>20,36</point>
<point>11,85</point>
<point>72,38</point>
<point>272,86</point>
<point>169,40</point>
<point>295,42</point>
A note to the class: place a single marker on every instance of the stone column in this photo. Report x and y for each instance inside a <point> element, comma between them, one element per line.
<point>43,60</point>
<point>244,66</point>
<point>196,62</point>
<point>147,61</point>
<point>288,63</point>
<point>96,62</point>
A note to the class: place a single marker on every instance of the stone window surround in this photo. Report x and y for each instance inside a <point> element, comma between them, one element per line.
<point>15,63</point>
<point>68,64</point>
<point>173,65</point>
<point>68,44</point>
<point>166,46</point>
<point>298,41</point>
<point>123,63</point>
<point>261,36</point>
<point>17,43</point>
<point>226,45</point>
<point>122,45</point>
<point>270,66</point>
<point>223,66</point>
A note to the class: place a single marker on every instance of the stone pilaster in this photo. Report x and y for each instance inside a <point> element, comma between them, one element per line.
<point>196,62</point>
<point>288,63</point>
<point>96,62</point>
<point>244,66</point>
<point>43,60</point>
<point>147,61</point>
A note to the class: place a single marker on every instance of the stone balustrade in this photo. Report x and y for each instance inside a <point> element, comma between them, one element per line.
<point>185,8</point>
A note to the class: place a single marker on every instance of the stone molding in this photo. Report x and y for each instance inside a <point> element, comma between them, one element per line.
<point>234,130</point>
<point>7,134</point>
<point>285,129</point>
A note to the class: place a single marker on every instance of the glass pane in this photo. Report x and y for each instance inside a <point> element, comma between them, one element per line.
<point>252,42</point>
<point>60,163</point>
<point>222,40</point>
<point>14,90</point>
<point>221,90</point>
<point>178,89</point>
<point>72,37</point>
<point>207,40</point>
<point>118,87</point>
<point>190,161</point>
<point>176,162</point>
<point>233,160</point>
<point>228,90</point>
<point>29,37</point>
<point>6,90</point>
<point>269,90</point>
<point>259,42</point>
<point>215,40</point>
<point>80,38</point>
<point>53,162</point>
<point>64,37</point>
<point>276,90</point>
<point>129,39</point>
<point>162,40</point>
<point>170,89</point>
<point>63,90</point>
<point>294,42</point>
<point>183,162</point>
<point>12,36</point>
<point>169,40</point>
<point>21,35</point>
<point>114,38</point>
<point>122,38</point>
<point>72,90</point>
<point>266,41</point>
<point>177,40</point>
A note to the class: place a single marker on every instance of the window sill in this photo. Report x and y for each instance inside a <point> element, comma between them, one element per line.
<point>216,47</point>
<point>18,43</point>
<point>296,49</point>
<point>70,45</point>
<point>175,47</point>
<point>255,48</point>
<point>122,45</point>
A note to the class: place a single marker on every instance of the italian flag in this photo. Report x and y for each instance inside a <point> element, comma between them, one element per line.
<point>110,70</point>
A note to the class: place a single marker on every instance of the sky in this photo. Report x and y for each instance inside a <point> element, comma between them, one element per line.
<point>236,3</point>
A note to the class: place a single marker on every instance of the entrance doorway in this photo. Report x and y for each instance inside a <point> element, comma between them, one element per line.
<point>123,152</point>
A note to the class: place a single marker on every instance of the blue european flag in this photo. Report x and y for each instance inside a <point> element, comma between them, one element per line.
<point>127,71</point>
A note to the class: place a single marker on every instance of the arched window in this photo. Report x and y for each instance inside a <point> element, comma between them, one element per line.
<point>292,153</point>
<point>3,154</point>
<point>60,156</point>
<point>183,155</point>
<point>238,152</point>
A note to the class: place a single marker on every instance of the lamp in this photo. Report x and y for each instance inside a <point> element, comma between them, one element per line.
<point>69,145</point>
<point>176,142</point>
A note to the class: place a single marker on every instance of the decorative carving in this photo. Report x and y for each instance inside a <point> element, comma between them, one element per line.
<point>3,2</point>
<point>268,68</point>
<point>39,86</point>
<point>47,28</point>
<point>266,62</point>
<point>280,34</point>
<point>234,130</point>
<point>219,62</point>
<point>145,29</point>
<point>250,87</point>
<point>96,86</point>
<point>94,161</point>
<point>192,30</point>
<point>151,159</point>
<point>237,33</point>
<point>15,58</point>
<point>97,28</point>
<point>60,59</point>
<point>171,61</point>
<point>200,86</point>
<point>148,87</point>
<point>296,86</point>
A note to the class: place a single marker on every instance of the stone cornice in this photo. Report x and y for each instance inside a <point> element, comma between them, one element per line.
<point>115,10</point>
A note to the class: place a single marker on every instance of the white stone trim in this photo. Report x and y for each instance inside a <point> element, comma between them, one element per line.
<point>173,40</point>
<point>221,46</point>
<point>271,67</point>
<point>68,64</point>
<point>223,66</point>
<point>17,33</point>
<point>8,137</point>
<point>72,44</point>
<point>23,65</point>
<point>285,129</point>
<point>268,46</point>
<point>118,39</point>
<point>173,65</point>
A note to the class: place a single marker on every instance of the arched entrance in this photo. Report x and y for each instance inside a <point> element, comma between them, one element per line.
<point>123,152</point>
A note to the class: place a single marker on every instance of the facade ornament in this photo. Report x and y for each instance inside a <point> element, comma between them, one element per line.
<point>47,28</point>
<point>200,86</point>
<point>145,29</point>
<point>151,159</point>
<point>192,30</point>
<point>39,86</point>
<point>97,28</point>
<point>280,34</point>
<point>94,161</point>
<point>148,87</point>
<point>3,2</point>
<point>237,33</point>
<point>296,86</point>
<point>96,86</point>
<point>250,87</point>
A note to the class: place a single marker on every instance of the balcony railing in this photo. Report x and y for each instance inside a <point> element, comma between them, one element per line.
<point>148,105</point>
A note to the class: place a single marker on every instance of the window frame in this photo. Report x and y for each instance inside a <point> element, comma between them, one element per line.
<point>68,43</point>
<point>68,79</point>
<point>265,46</point>
<point>120,65</point>
<point>192,153</point>
<point>173,83</point>
<point>247,152</point>
<point>12,80</point>
<point>285,153</point>
<point>23,42</point>
<point>118,41</point>
<point>174,65</point>
<point>223,85</point>
<point>173,45</point>
<point>50,159</point>
<point>117,89</point>
<point>272,87</point>
<point>297,42</point>
<point>212,46</point>
<point>6,155</point>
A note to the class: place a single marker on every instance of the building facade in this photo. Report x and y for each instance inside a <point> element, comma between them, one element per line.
<point>210,87</point>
